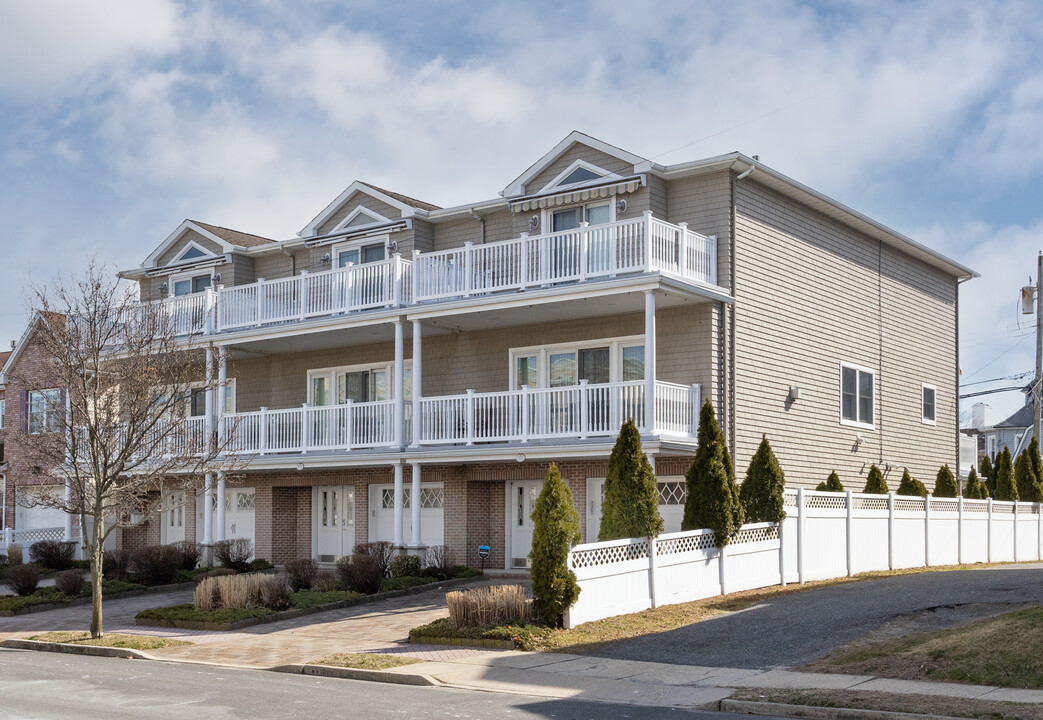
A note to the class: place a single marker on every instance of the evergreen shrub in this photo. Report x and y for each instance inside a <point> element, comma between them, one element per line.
<point>555,531</point>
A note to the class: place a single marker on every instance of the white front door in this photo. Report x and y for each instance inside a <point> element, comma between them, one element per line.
<point>239,514</point>
<point>523,495</point>
<point>671,504</point>
<point>334,515</point>
<point>382,513</point>
<point>173,517</point>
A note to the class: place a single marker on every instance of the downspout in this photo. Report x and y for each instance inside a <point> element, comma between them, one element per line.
<point>480,219</point>
<point>293,261</point>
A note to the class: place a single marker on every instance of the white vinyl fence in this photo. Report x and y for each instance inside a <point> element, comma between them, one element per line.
<point>28,538</point>
<point>825,535</point>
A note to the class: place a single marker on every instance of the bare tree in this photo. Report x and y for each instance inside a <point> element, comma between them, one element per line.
<point>105,408</point>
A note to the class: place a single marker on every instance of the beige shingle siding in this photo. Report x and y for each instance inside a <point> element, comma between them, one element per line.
<point>353,201</point>
<point>454,363</point>
<point>271,266</point>
<point>189,236</point>
<point>577,152</point>
<point>704,202</point>
<point>809,295</point>
<point>423,236</point>
<point>242,271</point>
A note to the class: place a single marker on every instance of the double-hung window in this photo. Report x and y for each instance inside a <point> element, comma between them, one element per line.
<point>44,408</point>
<point>360,253</point>
<point>186,285</point>
<point>857,395</point>
<point>928,395</point>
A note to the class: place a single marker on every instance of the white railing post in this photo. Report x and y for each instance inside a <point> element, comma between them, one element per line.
<point>262,431</point>
<point>648,240</point>
<point>399,384</point>
<point>720,570</point>
<point>418,377</point>
<point>801,511</point>
<point>891,530</point>
<point>959,531</point>
<point>682,249</point>
<point>525,398</point>
<point>468,267</point>
<point>260,301</point>
<point>927,531</point>
<point>523,258</point>
<point>711,259</point>
<point>304,294</point>
<point>543,244</point>
<point>989,532</point>
<point>416,276</point>
<point>850,505</point>
<point>304,427</point>
<point>694,409</point>
<point>653,568</point>
<point>584,420</point>
<point>349,425</point>
<point>583,235</point>
<point>650,362</point>
<point>218,304</point>
<point>469,420</point>
<point>1039,531</point>
<point>210,313</point>
<point>396,290</point>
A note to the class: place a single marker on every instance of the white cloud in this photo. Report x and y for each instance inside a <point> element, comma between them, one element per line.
<point>49,45</point>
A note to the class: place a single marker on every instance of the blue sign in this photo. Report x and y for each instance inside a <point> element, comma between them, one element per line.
<point>483,551</point>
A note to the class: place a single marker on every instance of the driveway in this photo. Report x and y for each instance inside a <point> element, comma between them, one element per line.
<point>795,629</point>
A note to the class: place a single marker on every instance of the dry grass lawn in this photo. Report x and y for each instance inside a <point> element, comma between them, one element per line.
<point>1002,651</point>
<point>916,704</point>
<point>127,642</point>
<point>367,661</point>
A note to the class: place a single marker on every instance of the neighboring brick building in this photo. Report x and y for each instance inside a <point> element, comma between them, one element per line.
<point>397,351</point>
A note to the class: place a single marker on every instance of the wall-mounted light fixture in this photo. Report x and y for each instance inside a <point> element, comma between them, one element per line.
<point>621,205</point>
<point>327,259</point>
<point>163,288</point>
<point>534,222</point>
<point>217,277</point>
<point>794,393</point>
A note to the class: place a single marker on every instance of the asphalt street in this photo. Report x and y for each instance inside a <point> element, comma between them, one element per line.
<point>48,686</point>
<point>795,629</point>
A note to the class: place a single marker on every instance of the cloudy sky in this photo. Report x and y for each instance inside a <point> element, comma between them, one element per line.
<point>120,118</point>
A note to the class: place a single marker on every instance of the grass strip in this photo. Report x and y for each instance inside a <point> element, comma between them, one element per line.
<point>930,705</point>
<point>116,640</point>
<point>367,661</point>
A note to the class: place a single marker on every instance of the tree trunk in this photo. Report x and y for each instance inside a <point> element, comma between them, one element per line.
<point>97,554</point>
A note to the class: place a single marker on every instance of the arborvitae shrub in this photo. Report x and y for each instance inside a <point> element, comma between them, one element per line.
<point>987,474</point>
<point>713,498</point>
<point>945,484</point>
<point>972,488</point>
<point>875,484</point>
<point>631,506</point>
<point>1026,473</point>
<point>1006,489</point>
<point>555,531</point>
<point>1037,471</point>
<point>831,484</point>
<point>911,486</point>
<point>761,491</point>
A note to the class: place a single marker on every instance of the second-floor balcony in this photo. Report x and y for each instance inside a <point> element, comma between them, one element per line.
<point>571,413</point>
<point>569,257</point>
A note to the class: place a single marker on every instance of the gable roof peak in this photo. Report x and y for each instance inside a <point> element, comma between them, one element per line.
<point>517,186</point>
<point>403,203</point>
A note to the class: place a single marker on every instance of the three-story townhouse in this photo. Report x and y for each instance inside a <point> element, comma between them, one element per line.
<point>405,372</point>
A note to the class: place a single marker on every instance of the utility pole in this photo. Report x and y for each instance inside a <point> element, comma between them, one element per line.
<point>1036,384</point>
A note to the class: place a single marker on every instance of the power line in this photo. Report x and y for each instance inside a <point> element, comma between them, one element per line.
<point>1016,376</point>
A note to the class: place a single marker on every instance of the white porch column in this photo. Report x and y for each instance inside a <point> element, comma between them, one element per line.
<point>208,397</point>
<point>398,505</point>
<point>400,366</point>
<point>222,394</point>
<point>415,505</point>
<point>220,534</point>
<point>417,384</point>
<point>650,426</point>
<point>68,516</point>
<point>208,510</point>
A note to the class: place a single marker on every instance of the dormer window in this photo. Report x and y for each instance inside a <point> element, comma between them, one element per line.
<point>579,175</point>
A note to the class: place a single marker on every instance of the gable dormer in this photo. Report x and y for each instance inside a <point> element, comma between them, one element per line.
<point>362,205</point>
<point>576,161</point>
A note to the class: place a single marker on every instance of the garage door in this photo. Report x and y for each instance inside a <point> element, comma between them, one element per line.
<point>382,513</point>
<point>31,517</point>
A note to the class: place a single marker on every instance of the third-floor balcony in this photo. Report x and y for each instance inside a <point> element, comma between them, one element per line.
<point>559,259</point>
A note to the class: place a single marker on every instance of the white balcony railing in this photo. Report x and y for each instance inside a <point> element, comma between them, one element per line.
<point>573,412</point>
<point>643,244</point>
<point>336,427</point>
<point>357,287</point>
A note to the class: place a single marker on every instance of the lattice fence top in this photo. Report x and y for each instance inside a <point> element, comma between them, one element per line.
<point>789,499</point>
<point>596,557</point>
<point>976,506</point>
<point>945,505</point>
<point>687,543</point>
<point>869,503</point>
<point>830,501</point>
<point>1028,508</point>
<point>916,504</point>
<point>38,534</point>
<point>756,534</point>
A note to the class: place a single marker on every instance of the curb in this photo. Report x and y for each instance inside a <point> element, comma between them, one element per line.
<point>382,676</point>
<point>95,650</point>
<point>301,612</point>
<point>487,643</point>
<point>811,712</point>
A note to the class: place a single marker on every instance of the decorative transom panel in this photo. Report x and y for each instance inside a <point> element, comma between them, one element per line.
<point>387,498</point>
<point>609,555</point>
<point>829,502</point>
<point>245,500</point>
<point>759,534</point>
<point>431,497</point>
<point>869,503</point>
<point>689,543</point>
<point>672,493</point>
